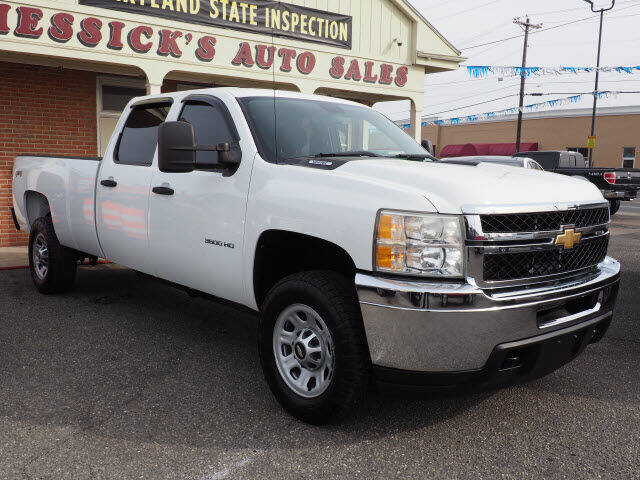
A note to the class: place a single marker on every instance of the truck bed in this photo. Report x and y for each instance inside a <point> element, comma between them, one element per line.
<point>624,186</point>
<point>68,184</point>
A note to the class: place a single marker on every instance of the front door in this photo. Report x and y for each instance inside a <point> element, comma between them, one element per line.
<point>196,229</point>
<point>122,191</point>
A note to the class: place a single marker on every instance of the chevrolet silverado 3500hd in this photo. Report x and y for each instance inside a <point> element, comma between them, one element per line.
<point>364,258</point>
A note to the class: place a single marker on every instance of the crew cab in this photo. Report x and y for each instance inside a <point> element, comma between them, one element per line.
<point>364,258</point>
<point>616,184</point>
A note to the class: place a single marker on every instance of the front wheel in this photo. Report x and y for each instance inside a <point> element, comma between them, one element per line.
<point>614,206</point>
<point>52,266</point>
<point>312,346</point>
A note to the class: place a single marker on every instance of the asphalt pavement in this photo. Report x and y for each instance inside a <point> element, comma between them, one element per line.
<point>126,378</point>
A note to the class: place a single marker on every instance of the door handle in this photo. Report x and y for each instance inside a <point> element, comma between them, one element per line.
<point>109,183</point>
<point>163,190</point>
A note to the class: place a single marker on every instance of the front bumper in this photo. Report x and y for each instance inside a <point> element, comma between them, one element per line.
<point>440,328</point>
<point>629,194</point>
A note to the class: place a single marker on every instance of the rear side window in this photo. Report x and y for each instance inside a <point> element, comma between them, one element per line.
<point>547,160</point>
<point>139,137</point>
<point>565,160</point>
<point>210,126</point>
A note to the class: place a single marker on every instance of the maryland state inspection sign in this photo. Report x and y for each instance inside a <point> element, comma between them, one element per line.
<point>258,16</point>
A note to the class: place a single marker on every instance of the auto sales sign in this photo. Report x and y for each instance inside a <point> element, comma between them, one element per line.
<point>258,16</point>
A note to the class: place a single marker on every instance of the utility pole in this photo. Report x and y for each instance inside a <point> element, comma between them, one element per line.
<point>595,92</point>
<point>526,25</point>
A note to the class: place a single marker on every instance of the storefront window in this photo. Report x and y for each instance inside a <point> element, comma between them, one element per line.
<point>113,95</point>
<point>115,98</point>
<point>628,157</point>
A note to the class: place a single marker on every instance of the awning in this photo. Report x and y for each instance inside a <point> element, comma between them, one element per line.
<point>471,149</point>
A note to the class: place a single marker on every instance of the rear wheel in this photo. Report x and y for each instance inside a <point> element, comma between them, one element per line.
<point>312,346</point>
<point>614,206</point>
<point>52,266</point>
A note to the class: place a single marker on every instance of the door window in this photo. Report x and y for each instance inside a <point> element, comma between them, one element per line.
<point>210,126</point>
<point>139,138</point>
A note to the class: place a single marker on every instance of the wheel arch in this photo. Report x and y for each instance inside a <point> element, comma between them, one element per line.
<point>36,206</point>
<point>280,253</point>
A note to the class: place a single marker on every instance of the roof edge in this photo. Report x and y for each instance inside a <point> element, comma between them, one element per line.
<point>437,56</point>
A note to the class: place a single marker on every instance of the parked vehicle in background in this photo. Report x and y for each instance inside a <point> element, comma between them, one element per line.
<point>615,184</point>
<point>510,161</point>
<point>362,258</point>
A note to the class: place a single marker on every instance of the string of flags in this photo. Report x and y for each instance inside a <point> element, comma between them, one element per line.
<point>483,71</point>
<point>512,111</point>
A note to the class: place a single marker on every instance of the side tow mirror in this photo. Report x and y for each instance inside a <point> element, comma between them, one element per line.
<point>176,147</point>
<point>229,155</point>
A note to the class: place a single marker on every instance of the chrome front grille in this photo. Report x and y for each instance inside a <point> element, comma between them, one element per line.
<point>520,249</point>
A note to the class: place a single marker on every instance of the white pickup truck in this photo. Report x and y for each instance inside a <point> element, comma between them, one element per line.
<point>365,257</point>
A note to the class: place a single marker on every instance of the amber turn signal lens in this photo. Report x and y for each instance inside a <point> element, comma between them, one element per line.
<point>390,227</point>
<point>390,257</point>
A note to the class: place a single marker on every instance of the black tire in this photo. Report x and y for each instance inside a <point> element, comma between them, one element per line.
<point>62,262</point>
<point>614,206</point>
<point>333,297</point>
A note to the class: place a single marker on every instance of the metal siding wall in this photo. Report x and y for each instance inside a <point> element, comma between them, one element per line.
<point>614,133</point>
<point>376,23</point>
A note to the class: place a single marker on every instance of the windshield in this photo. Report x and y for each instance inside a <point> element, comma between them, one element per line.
<point>307,128</point>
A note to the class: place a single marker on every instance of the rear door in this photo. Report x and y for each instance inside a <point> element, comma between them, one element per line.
<point>197,220</point>
<point>122,192</point>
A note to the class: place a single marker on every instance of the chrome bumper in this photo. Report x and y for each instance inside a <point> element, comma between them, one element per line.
<point>608,194</point>
<point>429,326</point>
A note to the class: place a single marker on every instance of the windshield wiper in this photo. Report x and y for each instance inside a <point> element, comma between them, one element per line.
<point>414,156</point>
<point>358,153</point>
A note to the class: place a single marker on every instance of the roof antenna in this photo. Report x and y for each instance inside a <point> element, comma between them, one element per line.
<point>273,76</point>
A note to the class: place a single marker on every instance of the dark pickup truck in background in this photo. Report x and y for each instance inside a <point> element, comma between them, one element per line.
<point>616,184</point>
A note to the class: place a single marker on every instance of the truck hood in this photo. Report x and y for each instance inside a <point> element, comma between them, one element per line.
<point>484,188</point>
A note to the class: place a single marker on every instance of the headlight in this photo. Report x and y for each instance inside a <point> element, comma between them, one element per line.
<point>419,244</point>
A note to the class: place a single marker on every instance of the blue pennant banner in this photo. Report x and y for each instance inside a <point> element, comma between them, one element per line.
<point>483,71</point>
<point>534,107</point>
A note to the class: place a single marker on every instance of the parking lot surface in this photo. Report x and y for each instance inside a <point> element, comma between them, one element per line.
<point>129,378</point>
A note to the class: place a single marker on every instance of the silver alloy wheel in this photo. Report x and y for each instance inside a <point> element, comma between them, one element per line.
<point>303,350</point>
<point>40,256</point>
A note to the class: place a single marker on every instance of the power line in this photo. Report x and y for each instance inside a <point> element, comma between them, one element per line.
<point>466,10</point>
<point>476,95</point>
<point>492,43</point>
<point>536,94</point>
<point>550,28</point>
<point>539,82</point>
<point>617,92</point>
<point>468,106</point>
<point>540,14</point>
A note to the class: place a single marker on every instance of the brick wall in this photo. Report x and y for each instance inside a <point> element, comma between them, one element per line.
<point>43,110</point>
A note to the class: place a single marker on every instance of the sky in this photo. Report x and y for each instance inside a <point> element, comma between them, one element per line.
<point>468,23</point>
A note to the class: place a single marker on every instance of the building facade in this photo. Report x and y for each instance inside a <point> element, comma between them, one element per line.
<point>69,67</point>
<point>617,133</point>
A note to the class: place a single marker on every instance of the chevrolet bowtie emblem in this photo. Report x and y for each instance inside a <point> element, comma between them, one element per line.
<point>568,239</point>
